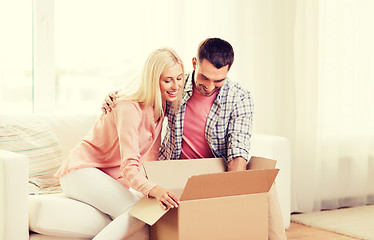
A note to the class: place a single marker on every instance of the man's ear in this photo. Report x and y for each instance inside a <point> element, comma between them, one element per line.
<point>194,63</point>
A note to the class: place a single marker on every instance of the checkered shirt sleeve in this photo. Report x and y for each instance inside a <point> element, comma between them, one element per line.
<point>229,124</point>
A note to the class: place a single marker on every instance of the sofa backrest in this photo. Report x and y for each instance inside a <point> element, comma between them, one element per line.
<point>69,128</point>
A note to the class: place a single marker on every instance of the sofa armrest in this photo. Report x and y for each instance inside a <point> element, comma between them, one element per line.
<point>14,176</point>
<point>277,148</point>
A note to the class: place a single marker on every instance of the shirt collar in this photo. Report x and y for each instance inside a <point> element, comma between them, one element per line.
<point>188,88</point>
<point>189,82</point>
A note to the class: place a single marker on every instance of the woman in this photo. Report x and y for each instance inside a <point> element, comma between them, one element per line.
<point>106,163</point>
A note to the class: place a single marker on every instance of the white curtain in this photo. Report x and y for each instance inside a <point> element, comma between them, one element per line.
<point>334,127</point>
<point>345,131</point>
<point>310,69</point>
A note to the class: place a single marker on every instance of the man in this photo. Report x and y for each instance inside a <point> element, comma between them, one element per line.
<point>215,116</point>
<point>214,119</point>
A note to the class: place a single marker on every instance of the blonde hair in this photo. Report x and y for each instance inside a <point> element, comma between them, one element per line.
<point>148,91</point>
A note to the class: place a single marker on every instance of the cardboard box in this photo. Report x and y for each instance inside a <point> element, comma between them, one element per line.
<point>214,204</point>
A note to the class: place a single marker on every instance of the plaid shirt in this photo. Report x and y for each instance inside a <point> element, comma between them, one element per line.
<point>228,127</point>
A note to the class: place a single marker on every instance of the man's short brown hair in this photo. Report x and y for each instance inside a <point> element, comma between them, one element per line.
<point>217,51</point>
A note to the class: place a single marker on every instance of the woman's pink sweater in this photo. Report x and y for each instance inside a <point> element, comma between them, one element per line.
<point>118,144</point>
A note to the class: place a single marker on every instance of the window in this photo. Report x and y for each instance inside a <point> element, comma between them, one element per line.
<point>16,56</point>
<point>66,56</point>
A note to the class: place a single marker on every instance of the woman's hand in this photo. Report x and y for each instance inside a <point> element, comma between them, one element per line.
<point>109,102</point>
<point>166,198</point>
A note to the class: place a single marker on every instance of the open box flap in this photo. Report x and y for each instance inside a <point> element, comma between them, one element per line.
<point>229,184</point>
<point>148,210</point>
<point>173,174</point>
<point>261,163</point>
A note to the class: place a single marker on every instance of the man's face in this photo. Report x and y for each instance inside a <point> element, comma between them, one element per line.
<point>208,78</point>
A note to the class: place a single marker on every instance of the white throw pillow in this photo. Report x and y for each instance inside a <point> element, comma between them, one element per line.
<point>39,143</point>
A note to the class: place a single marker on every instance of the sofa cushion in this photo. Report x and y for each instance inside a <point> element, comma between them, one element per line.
<point>57,215</point>
<point>39,143</point>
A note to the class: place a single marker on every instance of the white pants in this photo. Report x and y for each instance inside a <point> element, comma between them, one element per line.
<point>96,188</point>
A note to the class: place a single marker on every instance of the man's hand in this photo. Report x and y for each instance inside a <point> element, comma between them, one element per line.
<point>166,198</point>
<point>109,102</point>
<point>237,164</point>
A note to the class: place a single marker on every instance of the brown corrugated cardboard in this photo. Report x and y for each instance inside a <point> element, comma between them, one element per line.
<point>261,163</point>
<point>214,204</point>
<point>223,218</point>
<point>228,184</point>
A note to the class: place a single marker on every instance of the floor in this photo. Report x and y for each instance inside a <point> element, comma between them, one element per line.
<point>302,232</point>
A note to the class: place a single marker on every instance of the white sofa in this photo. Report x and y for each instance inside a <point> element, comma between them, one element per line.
<point>54,216</point>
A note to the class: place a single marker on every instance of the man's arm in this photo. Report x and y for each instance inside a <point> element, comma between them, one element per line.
<point>239,134</point>
<point>237,164</point>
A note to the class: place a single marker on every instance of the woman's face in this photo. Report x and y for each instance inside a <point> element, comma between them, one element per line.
<point>171,81</point>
